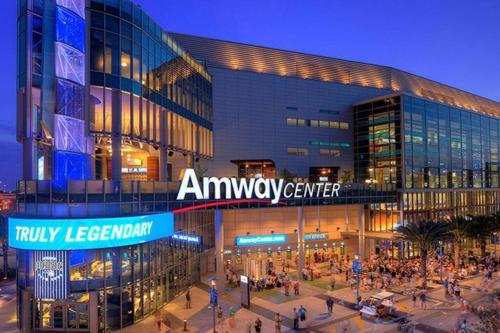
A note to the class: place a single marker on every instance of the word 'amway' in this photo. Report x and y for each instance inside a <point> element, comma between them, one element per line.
<point>261,188</point>
<point>82,233</point>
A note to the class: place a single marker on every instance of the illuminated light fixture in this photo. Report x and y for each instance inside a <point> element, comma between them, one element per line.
<point>124,64</point>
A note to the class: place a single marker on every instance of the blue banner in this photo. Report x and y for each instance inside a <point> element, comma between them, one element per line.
<point>260,239</point>
<point>88,233</point>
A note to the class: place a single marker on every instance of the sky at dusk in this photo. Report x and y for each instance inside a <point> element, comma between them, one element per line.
<point>450,41</point>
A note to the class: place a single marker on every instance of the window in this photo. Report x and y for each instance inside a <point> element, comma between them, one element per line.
<point>334,124</point>
<point>296,122</point>
<point>329,111</point>
<point>292,108</point>
<point>323,123</point>
<point>314,123</point>
<point>344,125</point>
<point>329,152</point>
<point>298,151</point>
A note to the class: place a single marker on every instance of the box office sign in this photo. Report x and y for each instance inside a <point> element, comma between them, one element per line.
<point>261,188</point>
<point>51,274</point>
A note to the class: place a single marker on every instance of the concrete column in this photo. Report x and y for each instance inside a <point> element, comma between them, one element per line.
<point>116,136</point>
<point>93,315</point>
<point>163,165</point>
<point>219,250</point>
<point>29,159</point>
<point>26,311</point>
<point>300,240</point>
<point>361,232</point>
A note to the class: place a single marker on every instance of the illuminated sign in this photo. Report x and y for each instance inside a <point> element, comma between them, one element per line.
<point>260,239</point>
<point>186,238</point>
<point>244,278</point>
<point>318,236</point>
<point>261,188</point>
<point>51,280</point>
<point>88,233</point>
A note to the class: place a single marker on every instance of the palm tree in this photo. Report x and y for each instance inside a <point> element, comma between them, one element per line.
<point>481,228</point>
<point>424,234</point>
<point>459,227</point>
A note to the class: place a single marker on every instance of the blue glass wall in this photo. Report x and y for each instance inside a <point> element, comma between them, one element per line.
<point>447,147</point>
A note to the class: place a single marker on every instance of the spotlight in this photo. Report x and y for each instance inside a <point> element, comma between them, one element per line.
<point>170,153</point>
<point>197,159</point>
<point>184,154</point>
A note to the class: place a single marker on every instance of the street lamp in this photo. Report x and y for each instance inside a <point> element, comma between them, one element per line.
<point>495,238</point>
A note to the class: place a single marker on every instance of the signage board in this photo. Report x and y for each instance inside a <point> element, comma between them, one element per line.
<point>51,274</point>
<point>260,188</point>
<point>260,239</point>
<point>317,236</point>
<point>245,292</point>
<point>88,233</point>
<point>186,238</point>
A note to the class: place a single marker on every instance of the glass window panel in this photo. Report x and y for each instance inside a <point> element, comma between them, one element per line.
<point>70,63</point>
<point>70,29</point>
<point>126,118</point>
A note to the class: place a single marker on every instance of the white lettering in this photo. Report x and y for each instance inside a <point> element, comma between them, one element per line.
<point>287,194</point>
<point>262,182</point>
<point>243,186</point>
<point>335,190</point>
<point>189,176</point>
<point>276,190</point>
<point>217,187</point>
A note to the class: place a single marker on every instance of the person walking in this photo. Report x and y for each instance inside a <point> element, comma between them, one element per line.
<point>188,299</point>
<point>423,299</point>
<point>414,299</point>
<point>329,305</point>
<point>302,313</point>
<point>277,323</point>
<point>296,288</point>
<point>332,283</point>
<point>258,325</point>
<point>296,318</point>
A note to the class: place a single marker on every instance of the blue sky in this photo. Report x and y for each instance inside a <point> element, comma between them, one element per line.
<point>453,42</point>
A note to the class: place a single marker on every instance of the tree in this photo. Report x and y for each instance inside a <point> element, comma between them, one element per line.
<point>346,176</point>
<point>425,235</point>
<point>481,229</point>
<point>287,175</point>
<point>459,227</point>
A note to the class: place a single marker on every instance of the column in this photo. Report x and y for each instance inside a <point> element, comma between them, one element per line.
<point>116,136</point>
<point>93,312</point>
<point>361,232</point>
<point>300,240</point>
<point>26,311</point>
<point>219,250</point>
<point>163,146</point>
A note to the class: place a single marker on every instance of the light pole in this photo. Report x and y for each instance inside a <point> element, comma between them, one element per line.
<point>495,238</point>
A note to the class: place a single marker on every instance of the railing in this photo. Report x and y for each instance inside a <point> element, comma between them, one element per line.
<point>114,198</point>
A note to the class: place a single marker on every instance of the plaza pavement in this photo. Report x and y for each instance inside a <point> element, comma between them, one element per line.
<point>441,314</point>
<point>439,317</point>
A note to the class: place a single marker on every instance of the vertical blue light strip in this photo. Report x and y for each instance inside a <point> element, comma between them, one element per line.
<point>69,163</point>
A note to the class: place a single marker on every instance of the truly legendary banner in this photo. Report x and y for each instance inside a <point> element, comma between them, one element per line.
<point>88,233</point>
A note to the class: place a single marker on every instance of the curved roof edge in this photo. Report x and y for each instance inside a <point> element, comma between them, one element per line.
<point>267,60</point>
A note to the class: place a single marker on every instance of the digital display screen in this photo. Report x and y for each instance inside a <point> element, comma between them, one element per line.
<point>88,233</point>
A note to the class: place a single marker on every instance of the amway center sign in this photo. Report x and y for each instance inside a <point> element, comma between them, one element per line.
<point>261,188</point>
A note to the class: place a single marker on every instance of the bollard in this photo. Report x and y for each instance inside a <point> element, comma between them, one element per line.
<point>185,325</point>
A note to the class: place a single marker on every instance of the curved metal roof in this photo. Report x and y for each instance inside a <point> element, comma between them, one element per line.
<point>259,59</point>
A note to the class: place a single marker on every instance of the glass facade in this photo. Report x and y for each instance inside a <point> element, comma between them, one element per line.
<point>135,64</point>
<point>447,147</point>
<point>443,159</point>
<point>376,145</point>
<point>130,282</point>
